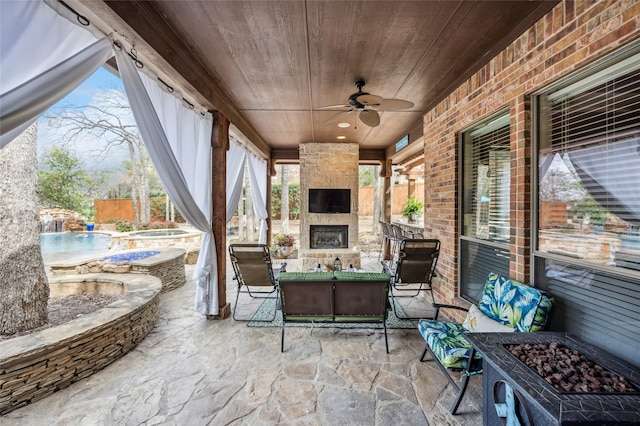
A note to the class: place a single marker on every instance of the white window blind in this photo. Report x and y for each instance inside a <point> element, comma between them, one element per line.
<point>486,180</point>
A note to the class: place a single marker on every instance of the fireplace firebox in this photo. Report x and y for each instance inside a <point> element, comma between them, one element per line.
<point>329,236</point>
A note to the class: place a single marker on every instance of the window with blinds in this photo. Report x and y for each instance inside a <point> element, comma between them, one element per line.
<point>588,236</point>
<point>589,167</point>
<point>485,184</point>
<point>486,180</point>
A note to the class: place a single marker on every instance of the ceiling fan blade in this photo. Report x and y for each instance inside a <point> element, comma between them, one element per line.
<point>338,116</point>
<point>393,104</point>
<point>370,100</point>
<point>370,117</point>
<point>335,106</point>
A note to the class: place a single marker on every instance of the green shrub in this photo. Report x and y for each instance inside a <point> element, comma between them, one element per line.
<point>124,226</point>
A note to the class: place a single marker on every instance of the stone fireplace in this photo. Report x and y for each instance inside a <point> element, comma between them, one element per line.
<point>325,236</point>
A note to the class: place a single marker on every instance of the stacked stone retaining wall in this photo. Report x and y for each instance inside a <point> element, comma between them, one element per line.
<point>39,364</point>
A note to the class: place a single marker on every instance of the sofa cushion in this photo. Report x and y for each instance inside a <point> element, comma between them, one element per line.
<point>305,276</point>
<point>476,321</point>
<point>517,305</point>
<point>360,276</point>
<point>446,342</point>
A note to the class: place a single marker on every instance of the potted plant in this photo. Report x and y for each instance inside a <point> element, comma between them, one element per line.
<point>284,244</point>
<point>412,209</point>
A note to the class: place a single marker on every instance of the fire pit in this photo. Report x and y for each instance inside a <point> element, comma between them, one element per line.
<point>567,370</point>
<point>605,389</point>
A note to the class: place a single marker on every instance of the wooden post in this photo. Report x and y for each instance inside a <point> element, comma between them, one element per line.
<point>220,145</point>
<point>411,186</point>
<point>387,173</point>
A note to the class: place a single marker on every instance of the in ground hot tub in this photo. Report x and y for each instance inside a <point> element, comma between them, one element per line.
<point>187,239</point>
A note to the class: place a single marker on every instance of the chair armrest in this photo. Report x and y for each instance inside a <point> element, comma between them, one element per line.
<point>438,306</point>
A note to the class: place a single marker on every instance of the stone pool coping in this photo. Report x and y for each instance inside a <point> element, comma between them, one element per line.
<point>168,265</point>
<point>36,365</point>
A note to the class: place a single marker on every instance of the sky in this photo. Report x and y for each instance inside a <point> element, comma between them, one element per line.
<point>101,80</point>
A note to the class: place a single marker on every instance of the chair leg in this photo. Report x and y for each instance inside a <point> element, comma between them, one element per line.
<point>386,341</point>
<point>461,391</point>
<point>464,383</point>
<point>442,367</point>
<point>282,338</point>
<point>277,305</point>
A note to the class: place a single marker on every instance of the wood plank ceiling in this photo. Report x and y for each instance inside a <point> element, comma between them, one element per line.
<point>270,65</point>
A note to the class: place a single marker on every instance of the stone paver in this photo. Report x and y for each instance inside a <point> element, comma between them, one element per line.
<point>191,371</point>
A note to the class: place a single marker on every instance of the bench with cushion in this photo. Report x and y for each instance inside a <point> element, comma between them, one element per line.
<point>506,305</point>
<point>334,297</point>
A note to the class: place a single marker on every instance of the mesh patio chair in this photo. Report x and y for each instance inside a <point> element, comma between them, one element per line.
<point>254,272</point>
<point>413,270</point>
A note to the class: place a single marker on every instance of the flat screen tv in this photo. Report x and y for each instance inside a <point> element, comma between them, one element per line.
<point>329,200</point>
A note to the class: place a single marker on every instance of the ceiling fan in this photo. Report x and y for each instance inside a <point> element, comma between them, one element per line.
<point>368,105</point>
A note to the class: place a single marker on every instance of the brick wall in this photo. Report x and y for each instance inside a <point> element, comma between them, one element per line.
<point>571,36</point>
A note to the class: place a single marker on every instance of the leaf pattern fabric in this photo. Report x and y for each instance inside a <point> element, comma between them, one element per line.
<point>506,301</point>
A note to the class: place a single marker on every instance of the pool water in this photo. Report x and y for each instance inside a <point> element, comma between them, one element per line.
<point>60,246</point>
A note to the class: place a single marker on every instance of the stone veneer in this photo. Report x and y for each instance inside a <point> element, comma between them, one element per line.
<point>38,364</point>
<point>168,266</point>
<point>328,165</point>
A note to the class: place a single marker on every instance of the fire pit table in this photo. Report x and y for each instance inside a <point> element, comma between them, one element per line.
<point>513,391</point>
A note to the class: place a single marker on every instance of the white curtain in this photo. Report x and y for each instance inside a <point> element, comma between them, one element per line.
<point>43,57</point>
<point>236,158</point>
<point>258,176</point>
<point>179,144</point>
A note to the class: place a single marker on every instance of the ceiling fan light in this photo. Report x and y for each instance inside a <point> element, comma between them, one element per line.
<point>341,137</point>
<point>343,125</point>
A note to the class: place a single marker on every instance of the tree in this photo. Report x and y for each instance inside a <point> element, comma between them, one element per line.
<point>23,282</point>
<point>65,183</point>
<point>109,119</point>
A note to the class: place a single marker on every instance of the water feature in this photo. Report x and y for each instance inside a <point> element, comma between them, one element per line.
<point>60,246</point>
<point>51,223</point>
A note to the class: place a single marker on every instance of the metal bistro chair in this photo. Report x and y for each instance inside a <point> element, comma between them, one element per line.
<point>385,240</point>
<point>413,271</point>
<point>254,272</point>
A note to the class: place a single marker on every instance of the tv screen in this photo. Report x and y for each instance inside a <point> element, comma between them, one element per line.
<point>325,200</point>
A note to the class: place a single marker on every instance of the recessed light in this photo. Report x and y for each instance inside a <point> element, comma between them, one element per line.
<point>341,137</point>
<point>343,125</point>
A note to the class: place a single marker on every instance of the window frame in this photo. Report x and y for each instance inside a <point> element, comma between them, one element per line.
<point>581,77</point>
<point>502,114</point>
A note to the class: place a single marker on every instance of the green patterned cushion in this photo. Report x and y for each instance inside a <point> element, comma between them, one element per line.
<point>446,341</point>
<point>305,276</point>
<point>359,276</point>
<point>515,304</point>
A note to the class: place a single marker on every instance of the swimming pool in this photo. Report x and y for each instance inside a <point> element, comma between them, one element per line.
<point>60,246</point>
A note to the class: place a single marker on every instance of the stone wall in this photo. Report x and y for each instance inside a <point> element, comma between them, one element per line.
<point>36,365</point>
<point>571,36</point>
<point>167,265</point>
<point>328,165</point>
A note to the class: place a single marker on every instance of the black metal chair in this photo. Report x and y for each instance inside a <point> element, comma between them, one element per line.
<point>254,272</point>
<point>413,271</point>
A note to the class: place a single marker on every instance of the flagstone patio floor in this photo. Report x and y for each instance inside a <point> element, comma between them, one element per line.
<point>194,371</point>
